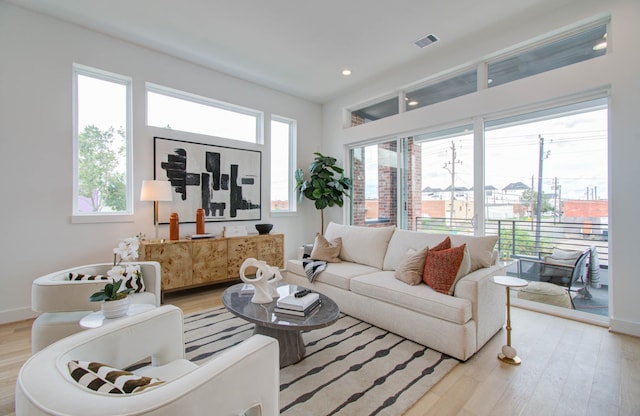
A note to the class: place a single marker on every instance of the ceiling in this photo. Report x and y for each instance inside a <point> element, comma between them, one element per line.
<point>298,47</point>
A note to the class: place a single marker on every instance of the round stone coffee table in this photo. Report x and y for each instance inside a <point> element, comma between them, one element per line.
<point>286,329</point>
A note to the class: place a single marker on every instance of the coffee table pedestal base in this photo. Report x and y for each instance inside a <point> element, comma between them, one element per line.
<point>292,349</point>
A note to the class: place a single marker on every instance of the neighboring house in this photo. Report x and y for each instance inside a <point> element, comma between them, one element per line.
<point>430,193</point>
<point>514,191</point>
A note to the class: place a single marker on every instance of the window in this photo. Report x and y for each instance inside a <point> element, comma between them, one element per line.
<point>548,170</point>
<point>443,90</point>
<point>177,110</point>
<point>375,111</point>
<point>102,143</point>
<point>283,162</point>
<point>582,46</point>
<point>374,174</point>
<point>445,172</point>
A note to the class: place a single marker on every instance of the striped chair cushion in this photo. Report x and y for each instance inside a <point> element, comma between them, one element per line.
<point>105,379</point>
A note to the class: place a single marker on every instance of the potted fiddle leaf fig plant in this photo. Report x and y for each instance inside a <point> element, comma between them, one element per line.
<point>326,185</point>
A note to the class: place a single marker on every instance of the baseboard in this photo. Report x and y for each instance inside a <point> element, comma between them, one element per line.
<point>625,327</point>
<point>15,315</point>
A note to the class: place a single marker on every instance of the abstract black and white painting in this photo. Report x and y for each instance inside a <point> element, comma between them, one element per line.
<point>224,181</point>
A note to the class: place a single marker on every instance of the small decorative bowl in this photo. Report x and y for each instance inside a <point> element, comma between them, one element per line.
<point>264,228</point>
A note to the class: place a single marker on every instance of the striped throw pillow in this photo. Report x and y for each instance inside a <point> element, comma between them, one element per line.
<point>82,276</point>
<point>105,379</point>
<point>133,281</point>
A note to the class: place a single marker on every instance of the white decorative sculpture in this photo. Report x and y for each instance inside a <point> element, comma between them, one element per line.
<point>273,281</point>
<point>265,274</point>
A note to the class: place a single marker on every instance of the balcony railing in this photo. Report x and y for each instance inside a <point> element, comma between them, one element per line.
<point>519,238</point>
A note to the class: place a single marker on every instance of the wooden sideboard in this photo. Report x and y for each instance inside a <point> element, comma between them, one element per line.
<point>191,263</point>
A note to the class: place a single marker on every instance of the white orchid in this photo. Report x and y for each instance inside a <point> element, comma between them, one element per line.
<point>117,273</point>
<point>127,249</point>
<point>133,269</point>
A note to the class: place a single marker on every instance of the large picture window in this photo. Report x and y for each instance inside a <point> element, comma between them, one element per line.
<point>102,143</point>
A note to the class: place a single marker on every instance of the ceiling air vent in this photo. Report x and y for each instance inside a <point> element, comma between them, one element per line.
<point>426,40</point>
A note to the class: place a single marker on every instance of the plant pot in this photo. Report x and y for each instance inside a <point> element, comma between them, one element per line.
<point>115,308</point>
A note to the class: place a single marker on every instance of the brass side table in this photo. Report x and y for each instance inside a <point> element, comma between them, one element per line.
<point>509,354</point>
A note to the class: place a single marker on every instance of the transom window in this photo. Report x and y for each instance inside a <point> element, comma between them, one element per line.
<point>177,110</point>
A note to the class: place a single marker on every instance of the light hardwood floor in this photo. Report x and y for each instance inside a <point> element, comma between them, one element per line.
<point>568,368</point>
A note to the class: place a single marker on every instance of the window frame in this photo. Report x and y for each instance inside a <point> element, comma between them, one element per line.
<point>208,102</point>
<point>292,163</point>
<point>100,217</point>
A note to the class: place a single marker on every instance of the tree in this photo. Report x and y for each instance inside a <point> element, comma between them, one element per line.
<point>529,195</point>
<point>100,175</point>
<point>327,185</point>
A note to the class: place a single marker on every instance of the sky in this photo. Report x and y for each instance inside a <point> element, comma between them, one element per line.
<point>575,149</point>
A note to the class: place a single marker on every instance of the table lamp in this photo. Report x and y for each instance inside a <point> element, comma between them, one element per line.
<point>156,191</point>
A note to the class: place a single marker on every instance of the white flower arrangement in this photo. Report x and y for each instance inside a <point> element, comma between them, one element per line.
<point>126,251</point>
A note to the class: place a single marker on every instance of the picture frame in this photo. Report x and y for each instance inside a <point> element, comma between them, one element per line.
<point>224,181</point>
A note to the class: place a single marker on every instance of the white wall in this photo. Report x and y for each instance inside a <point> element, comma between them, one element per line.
<point>618,72</point>
<point>37,237</point>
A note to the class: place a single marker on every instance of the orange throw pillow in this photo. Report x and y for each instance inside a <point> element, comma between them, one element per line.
<point>443,245</point>
<point>441,268</point>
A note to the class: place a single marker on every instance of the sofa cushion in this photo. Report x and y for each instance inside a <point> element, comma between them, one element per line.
<point>336,274</point>
<point>481,249</point>
<point>441,268</point>
<point>420,298</point>
<point>326,250</point>
<point>402,240</point>
<point>411,267</point>
<point>364,245</point>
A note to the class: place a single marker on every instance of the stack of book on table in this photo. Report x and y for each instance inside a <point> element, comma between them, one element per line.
<point>298,305</point>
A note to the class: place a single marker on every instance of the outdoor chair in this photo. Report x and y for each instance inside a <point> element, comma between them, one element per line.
<point>565,268</point>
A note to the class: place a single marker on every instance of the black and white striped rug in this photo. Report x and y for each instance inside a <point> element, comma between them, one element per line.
<point>351,367</point>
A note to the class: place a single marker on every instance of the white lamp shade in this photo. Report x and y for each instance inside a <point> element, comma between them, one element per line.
<point>156,191</point>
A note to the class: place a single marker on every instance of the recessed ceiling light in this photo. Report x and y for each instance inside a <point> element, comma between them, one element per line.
<point>346,72</point>
<point>412,103</point>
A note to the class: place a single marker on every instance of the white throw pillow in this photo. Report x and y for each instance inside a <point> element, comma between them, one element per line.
<point>411,267</point>
<point>363,245</point>
<point>480,249</point>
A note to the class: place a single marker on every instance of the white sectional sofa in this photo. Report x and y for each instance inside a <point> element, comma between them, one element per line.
<point>364,286</point>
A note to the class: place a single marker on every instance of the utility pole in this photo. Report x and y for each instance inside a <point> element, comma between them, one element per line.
<point>542,156</point>
<point>451,168</point>
<point>555,199</point>
<point>531,202</point>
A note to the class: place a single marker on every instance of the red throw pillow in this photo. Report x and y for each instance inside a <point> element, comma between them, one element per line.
<point>443,245</point>
<point>441,268</point>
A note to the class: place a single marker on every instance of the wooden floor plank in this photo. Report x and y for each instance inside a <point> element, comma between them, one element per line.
<point>567,367</point>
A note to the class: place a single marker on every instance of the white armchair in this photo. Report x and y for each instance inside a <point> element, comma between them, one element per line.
<point>63,302</point>
<point>242,380</point>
